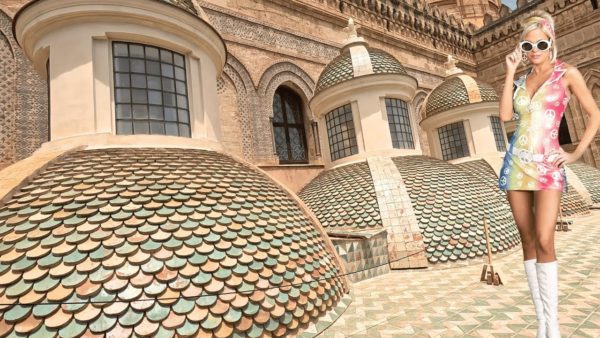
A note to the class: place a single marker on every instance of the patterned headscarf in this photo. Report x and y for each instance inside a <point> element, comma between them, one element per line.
<point>546,24</point>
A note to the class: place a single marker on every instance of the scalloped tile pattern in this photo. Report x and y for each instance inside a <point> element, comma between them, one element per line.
<point>340,68</point>
<point>484,172</point>
<point>161,243</point>
<point>452,93</point>
<point>344,198</point>
<point>589,176</point>
<point>450,204</point>
<point>572,203</point>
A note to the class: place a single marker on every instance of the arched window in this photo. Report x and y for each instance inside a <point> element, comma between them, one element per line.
<point>288,127</point>
<point>150,90</point>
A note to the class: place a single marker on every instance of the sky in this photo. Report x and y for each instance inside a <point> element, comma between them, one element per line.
<point>510,3</point>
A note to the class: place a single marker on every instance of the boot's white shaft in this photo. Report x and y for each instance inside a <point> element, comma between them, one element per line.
<point>548,282</point>
<point>532,280</point>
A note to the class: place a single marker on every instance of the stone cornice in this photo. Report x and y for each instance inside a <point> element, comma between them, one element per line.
<point>508,26</point>
<point>409,18</point>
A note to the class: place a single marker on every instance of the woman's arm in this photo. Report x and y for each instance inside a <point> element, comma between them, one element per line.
<point>578,87</point>
<point>506,99</point>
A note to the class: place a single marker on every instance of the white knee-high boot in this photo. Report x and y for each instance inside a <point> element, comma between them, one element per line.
<point>548,281</point>
<point>532,280</point>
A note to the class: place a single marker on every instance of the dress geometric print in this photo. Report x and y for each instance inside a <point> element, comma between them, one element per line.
<point>526,165</point>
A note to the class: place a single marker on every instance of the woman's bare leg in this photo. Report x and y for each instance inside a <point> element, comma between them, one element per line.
<point>521,203</point>
<point>546,204</point>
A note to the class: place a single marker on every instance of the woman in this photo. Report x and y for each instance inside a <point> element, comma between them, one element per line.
<point>533,170</point>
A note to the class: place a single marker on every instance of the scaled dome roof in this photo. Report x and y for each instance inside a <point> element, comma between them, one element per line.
<point>456,91</point>
<point>448,201</point>
<point>159,242</point>
<point>340,69</point>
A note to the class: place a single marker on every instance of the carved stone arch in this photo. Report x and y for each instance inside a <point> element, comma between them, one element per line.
<point>247,102</point>
<point>577,119</point>
<point>418,114</point>
<point>288,74</point>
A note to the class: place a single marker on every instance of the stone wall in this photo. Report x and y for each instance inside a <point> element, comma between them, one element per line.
<point>23,100</point>
<point>289,42</point>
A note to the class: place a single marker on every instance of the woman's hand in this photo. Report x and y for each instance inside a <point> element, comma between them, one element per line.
<point>561,157</point>
<point>513,59</point>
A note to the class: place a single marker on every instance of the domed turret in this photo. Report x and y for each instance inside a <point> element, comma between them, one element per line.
<point>361,99</point>
<point>461,118</point>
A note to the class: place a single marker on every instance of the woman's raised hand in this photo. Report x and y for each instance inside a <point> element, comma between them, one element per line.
<point>513,59</point>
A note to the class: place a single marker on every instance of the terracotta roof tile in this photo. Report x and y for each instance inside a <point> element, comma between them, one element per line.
<point>121,227</point>
<point>450,204</point>
<point>343,198</point>
<point>589,176</point>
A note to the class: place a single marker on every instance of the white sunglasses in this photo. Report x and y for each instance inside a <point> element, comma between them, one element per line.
<point>542,45</point>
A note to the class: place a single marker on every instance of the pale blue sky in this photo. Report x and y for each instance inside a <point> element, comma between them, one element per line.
<point>510,3</point>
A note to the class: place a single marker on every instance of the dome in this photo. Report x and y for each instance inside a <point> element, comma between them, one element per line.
<point>456,91</point>
<point>450,204</point>
<point>342,69</point>
<point>344,198</point>
<point>162,242</point>
<point>589,177</point>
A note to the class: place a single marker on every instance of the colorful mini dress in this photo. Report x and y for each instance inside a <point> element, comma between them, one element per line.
<point>527,164</point>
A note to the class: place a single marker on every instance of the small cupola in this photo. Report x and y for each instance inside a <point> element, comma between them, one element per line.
<point>361,100</point>
<point>125,67</point>
<point>461,117</point>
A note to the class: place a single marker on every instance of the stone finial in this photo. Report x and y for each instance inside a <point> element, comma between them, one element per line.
<point>451,68</point>
<point>351,29</point>
<point>353,37</point>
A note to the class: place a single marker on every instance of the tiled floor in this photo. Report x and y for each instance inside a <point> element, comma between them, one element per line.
<point>453,303</point>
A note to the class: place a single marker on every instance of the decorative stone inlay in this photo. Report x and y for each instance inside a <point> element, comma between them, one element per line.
<point>364,256</point>
<point>397,215</point>
<point>250,30</point>
<point>23,100</point>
